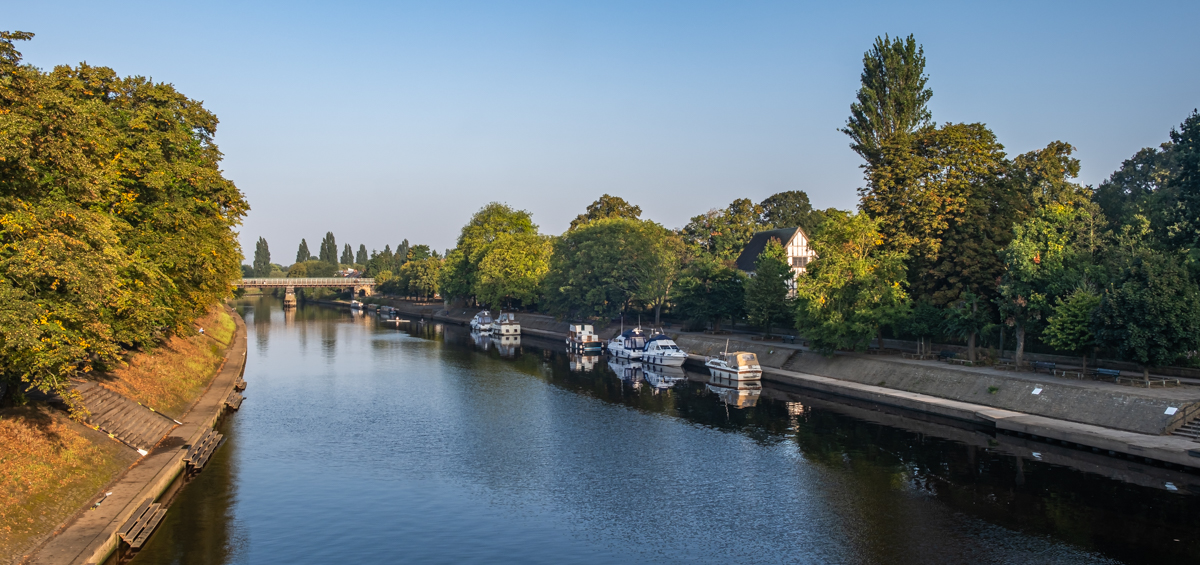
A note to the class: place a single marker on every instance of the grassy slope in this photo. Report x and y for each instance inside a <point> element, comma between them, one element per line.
<point>170,378</point>
<point>49,467</point>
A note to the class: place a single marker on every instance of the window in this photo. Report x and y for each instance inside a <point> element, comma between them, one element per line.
<point>799,261</point>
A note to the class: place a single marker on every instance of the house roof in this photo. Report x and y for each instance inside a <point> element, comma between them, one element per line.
<point>749,255</point>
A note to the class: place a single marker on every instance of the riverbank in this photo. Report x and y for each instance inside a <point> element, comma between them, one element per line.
<point>1096,416</point>
<point>89,536</point>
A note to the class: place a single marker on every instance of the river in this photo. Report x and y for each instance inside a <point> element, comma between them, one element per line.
<point>364,444</point>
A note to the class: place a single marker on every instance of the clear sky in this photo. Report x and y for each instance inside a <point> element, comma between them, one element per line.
<point>384,121</point>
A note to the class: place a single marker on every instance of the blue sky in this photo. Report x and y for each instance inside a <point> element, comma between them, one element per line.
<point>385,121</point>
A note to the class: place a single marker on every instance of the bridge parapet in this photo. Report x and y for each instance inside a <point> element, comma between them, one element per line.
<point>339,282</point>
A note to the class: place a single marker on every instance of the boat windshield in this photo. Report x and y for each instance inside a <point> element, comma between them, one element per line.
<point>746,359</point>
<point>635,343</point>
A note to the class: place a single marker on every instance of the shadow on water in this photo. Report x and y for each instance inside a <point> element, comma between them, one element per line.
<point>552,457</point>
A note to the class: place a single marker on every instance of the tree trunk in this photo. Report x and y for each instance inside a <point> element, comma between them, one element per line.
<point>1002,341</point>
<point>657,314</point>
<point>1146,375</point>
<point>1084,363</point>
<point>971,347</point>
<point>1020,345</point>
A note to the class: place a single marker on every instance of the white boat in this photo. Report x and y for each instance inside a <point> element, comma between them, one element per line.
<point>662,377</point>
<point>628,345</point>
<point>734,365</point>
<point>738,393</point>
<point>661,350</point>
<point>356,305</point>
<point>482,322</point>
<point>507,325</point>
<point>581,337</point>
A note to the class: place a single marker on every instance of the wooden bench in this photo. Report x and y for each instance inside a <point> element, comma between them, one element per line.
<point>958,361</point>
<point>141,524</point>
<point>1148,381</point>
<point>789,339</point>
<point>200,451</point>
<point>1067,373</point>
<point>1046,365</point>
<point>1113,374</point>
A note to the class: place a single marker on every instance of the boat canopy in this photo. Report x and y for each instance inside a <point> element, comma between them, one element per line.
<point>743,359</point>
<point>660,337</point>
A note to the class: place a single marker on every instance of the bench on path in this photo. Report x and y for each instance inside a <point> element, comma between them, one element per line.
<point>141,524</point>
<point>200,451</point>
<point>1006,364</point>
<point>946,355</point>
<point>917,356</point>
<point>1046,365</point>
<point>1067,373</point>
<point>1148,381</point>
<point>789,339</point>
<point>960,361</point>
<point>1106,374</point>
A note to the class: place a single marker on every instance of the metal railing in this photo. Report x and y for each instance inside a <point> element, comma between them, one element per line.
<point>306,282</point>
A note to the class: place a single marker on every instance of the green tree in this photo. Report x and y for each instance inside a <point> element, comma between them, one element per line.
<point>893,100</point>
<point>599,268</point>
<point>419,252</point>
<point>766,291</point>
<point>723,233</point>
<point>347,255</point>
<point>512,269</point>
<point>607,207</point>
<point>461,273</point>
<point>302,253</point>
<point>328,251</point>
<point>790,209</point>
<point>966,317</point>
<point>668,255</point>
<point>923,321</point>
<point>710,291</point>
<point>262,259</point>
<point>1184,187</point>
<point>361,257</point>
<point>1069,328</point>
<point>853,288</point>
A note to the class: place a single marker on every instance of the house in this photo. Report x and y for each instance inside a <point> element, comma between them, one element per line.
<point>794,241</point>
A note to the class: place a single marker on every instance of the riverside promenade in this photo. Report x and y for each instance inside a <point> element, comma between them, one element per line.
<point>91,535</point>
<point>1099,417</point>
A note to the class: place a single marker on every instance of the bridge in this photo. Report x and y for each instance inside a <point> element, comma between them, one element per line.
<point>361,286</point>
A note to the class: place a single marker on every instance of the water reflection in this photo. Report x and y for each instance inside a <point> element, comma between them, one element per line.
<point>629,371</point>
<point>508,345</point>
<point>736,393</point>
<point>583,362</point>
<point>661,377</point>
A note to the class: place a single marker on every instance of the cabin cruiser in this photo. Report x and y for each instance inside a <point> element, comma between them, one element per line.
<point>661,350</point>
<point>482,322</point>
<point>661,377</point>
<point>734,365</point>
<point>738,393</point>
<point>506,324</point>
<point>356,305</point>
<point>580,337</point>
<point>628,345</point>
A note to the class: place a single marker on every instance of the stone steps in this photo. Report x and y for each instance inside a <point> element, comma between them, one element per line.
<point>129,422</point>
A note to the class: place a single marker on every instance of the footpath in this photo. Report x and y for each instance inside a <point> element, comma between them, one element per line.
<point>1101,417</point>
<point>91,536</point>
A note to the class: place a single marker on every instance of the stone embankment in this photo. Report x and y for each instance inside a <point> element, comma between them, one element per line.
<point>92,535</point>
<point>1099,416</point>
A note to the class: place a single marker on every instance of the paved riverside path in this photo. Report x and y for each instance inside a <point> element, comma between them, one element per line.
<point>92,534</point>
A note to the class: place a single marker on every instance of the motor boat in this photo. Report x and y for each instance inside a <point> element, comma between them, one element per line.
<point>482,322</point>
<point>661,350</point>
<point>628,345</point>
<point>356,305</point>
<point>661,377</point>
<point>738,393</point>
<point>581,337</point>
<point>506,325</point>
<point>734,365</point>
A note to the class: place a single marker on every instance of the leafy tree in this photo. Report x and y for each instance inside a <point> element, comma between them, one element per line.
<point>668,255</point>
<point>418,252</point>
<point>1152,316</point>
<point>1184,231</point>
<point>262,259</point>
<point>767,290</point>
<point>404,252</point>
<point>607,207</point>
<point>853,288</point>
<point>923,321</point>
<point>1069,328</point>
<point>790,209</point>
<point>383,278</point>
<point>710,291</point>
<point>302,253</point>
<point>361,257</point>
<point>1138,187</point>
<point>966,317</point>
<point>461,273</point>
<point>347,255</point>
<point>329,250</point>
<point>601,267</point>
<point>893,98</point>
<point>723,233</point>
<point>512,270</point>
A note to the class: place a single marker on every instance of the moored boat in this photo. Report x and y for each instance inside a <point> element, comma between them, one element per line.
<point>734,365</point>
<point>506,324</point>
<point>482,322</point>
<point>661,350</point>
<point>356,305</point>
<point>628,345</point>
<point>581,337</point>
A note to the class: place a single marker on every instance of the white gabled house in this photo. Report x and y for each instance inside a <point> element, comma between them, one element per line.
<point>795,242</point>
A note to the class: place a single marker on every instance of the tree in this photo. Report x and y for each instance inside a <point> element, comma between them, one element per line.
<point>966,317</point>
<point>361,258</point>
<point>723,233</point>
<point>767,290</point>
<point>790,209</point>
<point>853,288</point>
<point>607,207</point>
<point>1152,316</point>
<point>347,255</point>
<point>893,98</point>
<point>710,291</point>
<point>329,250</point>
<point>421,252</point>
<point>601,267</point>
<point>512,270</point>
<point>423,279</point>
<point>668,253</point>
<point>1184,188</point>
<point>262,259</point>
<point>923,321</point>
<point>460,276</point>
<point>302,253</point>
<point>1069,328</point>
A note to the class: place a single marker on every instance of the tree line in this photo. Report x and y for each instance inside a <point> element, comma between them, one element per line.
<point>116,225</point>
<point>410,270</point>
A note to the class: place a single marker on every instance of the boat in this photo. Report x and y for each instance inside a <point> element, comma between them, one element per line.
<point>356,305</point>
<point>734,365</point>
<point>738,393</point>
<point>507,325</point>
<point>580,337</point>
<point>661,377</point>
<point>661,350</point>
<point>628,345</point>
<point>482,322</point>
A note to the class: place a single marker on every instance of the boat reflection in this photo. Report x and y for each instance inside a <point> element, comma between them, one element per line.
<point>661,377</point>
<point>507,345</point>
<point>628,371</point>
<point>584,362</point>
<point>482,341</point>
<point>736,393</point>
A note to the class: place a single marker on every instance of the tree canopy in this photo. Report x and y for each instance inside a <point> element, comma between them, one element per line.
<point>893,99</point>
<point>607,207</point>
<point>790,209</point>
